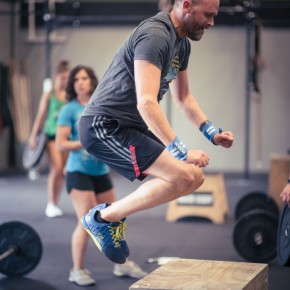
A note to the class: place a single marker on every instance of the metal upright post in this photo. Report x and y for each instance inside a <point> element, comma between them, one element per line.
<point>48,17</point>
<point>47,20</point>
<point>250,21</point>
<point>247,99</point>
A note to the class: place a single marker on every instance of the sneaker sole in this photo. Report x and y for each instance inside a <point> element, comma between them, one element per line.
<point>117,274</point>
<point>54,216</point>
<point>121,274</point>
<point>91,235</point>
<point>83,285</point>
<point>122,261</point>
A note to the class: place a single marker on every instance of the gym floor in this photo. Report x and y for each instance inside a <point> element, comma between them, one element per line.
<point>149,235</point>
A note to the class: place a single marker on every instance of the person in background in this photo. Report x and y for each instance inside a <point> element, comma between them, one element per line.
<point>87,178</point>
<point>123,123</point>
<point>285,194</point>
<point>46,119</point>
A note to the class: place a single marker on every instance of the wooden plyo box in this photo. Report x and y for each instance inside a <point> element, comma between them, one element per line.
<point>187,274</point>
<point>278,176</point>
<point>216,211</point>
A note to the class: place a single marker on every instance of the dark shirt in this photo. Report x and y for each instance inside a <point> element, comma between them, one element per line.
<point>154,40</point>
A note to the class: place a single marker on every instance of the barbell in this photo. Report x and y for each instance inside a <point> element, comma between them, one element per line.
<point>256,200</point>
<point>255,235</point>
<point>256,228</point>
<point>20,249</point>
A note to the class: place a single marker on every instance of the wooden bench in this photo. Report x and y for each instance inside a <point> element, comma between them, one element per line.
<point>188,274</point>
<point>278,176</point>
<point>209,201</point>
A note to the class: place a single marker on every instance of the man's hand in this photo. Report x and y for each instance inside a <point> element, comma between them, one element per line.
<point>285,194</point>
<point>197,157</point>
<point>224,139</point>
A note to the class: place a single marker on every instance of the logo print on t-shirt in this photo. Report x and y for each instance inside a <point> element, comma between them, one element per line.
<point>173,69</point>
<point>172,72</point>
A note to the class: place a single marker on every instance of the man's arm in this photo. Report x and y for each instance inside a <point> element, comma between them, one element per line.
<point>147,82</point>
<point>188,104</point>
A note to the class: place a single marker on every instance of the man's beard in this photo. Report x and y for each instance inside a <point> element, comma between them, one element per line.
<point>195,33</point>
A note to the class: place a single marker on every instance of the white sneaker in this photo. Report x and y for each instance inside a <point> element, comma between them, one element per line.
<point>129,269</point>
<point>81,277</point>
<point>53,211</point>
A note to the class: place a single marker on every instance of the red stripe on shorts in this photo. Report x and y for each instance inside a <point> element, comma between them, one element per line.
<point>134,160</point>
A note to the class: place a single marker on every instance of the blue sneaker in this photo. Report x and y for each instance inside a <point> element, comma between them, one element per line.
<point>123,242</point>
<point>107,236</point>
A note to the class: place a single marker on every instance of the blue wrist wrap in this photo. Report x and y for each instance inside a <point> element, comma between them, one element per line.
<point>209,130</point>
<point>177,149</point>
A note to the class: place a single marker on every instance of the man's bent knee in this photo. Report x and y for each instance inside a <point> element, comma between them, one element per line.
<point>198,179</point>
<point>191,180</point>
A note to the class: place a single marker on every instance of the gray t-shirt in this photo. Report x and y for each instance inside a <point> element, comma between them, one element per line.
<point>154,40</point>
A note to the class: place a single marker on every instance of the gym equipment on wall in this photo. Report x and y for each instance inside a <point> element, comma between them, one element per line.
<point>20,249</point>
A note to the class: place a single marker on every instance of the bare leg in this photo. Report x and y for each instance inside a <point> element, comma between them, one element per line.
<point>83,201</point>
<point>173,179</point>
<point>56,172</point>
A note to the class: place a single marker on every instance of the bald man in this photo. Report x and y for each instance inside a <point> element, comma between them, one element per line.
<point>124,125</point>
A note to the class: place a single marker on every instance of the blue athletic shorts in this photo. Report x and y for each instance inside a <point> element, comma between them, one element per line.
<point>81,181</point>
<point>126,148</point>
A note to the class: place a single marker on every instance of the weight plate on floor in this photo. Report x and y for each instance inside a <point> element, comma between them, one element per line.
<point>28,248</point>
<point>255,236</point>
<point>256,200</point>
<point>283,238</point>
<point>31,157</point>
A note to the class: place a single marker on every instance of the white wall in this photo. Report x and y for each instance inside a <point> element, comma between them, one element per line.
<point>217,74</point>
<point>92,46</point>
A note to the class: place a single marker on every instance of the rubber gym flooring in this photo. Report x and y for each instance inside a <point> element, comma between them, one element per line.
<point>149,235</point>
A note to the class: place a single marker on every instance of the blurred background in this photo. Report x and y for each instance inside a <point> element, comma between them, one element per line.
<point>239,71</point>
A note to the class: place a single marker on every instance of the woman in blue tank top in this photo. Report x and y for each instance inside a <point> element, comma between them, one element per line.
<point>87,178</point>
